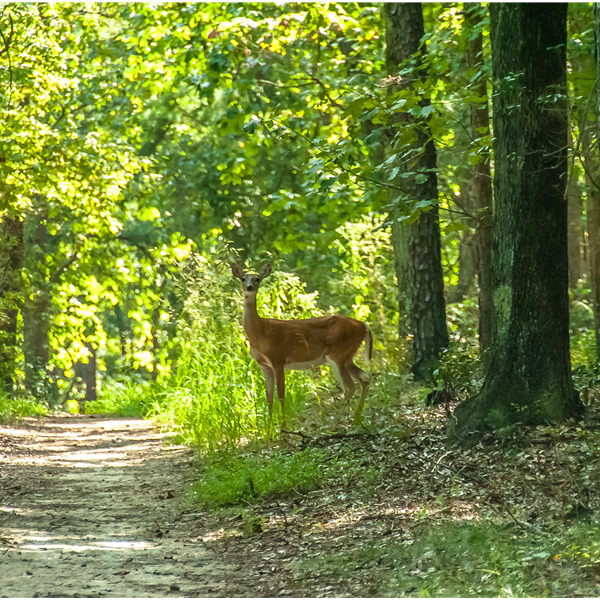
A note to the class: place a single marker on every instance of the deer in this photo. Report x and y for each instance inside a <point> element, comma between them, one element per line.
<point>283,345</point>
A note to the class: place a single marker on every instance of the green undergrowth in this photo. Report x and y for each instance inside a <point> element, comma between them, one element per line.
<point>393,509</point>
<point>276,469</point>
<point>470,559</point>
<point>244,479</point>
<point>21,407</point>
<point>123,399</point>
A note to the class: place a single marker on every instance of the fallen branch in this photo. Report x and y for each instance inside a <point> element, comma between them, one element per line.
<point>328,437</point>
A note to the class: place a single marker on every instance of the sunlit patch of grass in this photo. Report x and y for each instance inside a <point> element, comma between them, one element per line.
<point>124,399</point>
<point>21,407</point>
<point>217,400</point>
<point>249,478</point>
<point>244,479</point>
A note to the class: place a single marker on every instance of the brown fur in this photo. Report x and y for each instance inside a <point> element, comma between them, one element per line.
<point>301,343</point>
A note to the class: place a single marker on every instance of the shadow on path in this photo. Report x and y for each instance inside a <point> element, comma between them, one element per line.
<point>89,507</point>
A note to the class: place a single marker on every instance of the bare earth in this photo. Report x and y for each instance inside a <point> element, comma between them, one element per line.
<point>90,506</point>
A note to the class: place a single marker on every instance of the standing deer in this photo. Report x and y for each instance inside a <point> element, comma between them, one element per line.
<point>278,345</point>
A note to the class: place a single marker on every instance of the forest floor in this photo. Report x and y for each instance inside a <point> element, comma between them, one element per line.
<point>98,506</point>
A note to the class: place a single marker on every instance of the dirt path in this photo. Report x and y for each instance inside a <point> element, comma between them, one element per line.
<point>90,507</point>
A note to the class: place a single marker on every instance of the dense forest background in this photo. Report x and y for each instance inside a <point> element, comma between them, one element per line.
<point>145,146</point>
<point>429,169</point>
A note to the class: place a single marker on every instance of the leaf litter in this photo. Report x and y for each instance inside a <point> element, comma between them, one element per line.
<point>408,513</point>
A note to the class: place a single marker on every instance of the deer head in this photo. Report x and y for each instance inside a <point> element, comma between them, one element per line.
<point>250,281</point>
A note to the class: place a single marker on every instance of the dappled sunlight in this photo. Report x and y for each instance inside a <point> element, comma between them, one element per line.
<point>112,545</point>
<point>99,499</point>
<point>83,444</point>
<point>12,509</point>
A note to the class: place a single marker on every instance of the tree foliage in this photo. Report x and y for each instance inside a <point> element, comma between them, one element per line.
<point>143,142</point>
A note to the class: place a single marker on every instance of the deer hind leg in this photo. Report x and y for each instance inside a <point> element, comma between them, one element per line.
<point>280,379</point>
<point>342,376</point>
<point>363,379</point>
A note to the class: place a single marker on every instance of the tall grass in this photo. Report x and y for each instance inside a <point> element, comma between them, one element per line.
<point>216,396</point>
<point>129,399</point>
<point>20,407</point>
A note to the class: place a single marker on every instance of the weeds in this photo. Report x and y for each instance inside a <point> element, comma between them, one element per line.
<point>245,479</point>
<point>124,399</point>
<point>20,407</point>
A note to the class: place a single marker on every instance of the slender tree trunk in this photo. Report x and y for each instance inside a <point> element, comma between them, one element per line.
<point>155,341</point>
<point>36,309</point>
<point>528,378</point>
<point>467,266</point>
<point>593,214</point>
<point>11,263</point>
<point>417,247</point>
<point>89,375</point>
<point>482,182</point>
<point>399,240</point>
<point>591,163</point>
<point>576,237</point>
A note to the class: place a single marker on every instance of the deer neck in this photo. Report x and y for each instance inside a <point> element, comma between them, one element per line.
<point>252,321</point>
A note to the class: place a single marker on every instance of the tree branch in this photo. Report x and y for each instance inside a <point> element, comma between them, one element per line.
<point>56,275</point>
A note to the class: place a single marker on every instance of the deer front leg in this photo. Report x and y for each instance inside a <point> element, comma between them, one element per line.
<point>269,387</point>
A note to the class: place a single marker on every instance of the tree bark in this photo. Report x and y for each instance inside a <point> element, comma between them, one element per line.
<point>36,309</point>
<point>418,246</point>
<point>576,238</point>
<point>528,377</point>
<point>591,163</point>
<point>593,214</point>
<point>481,184</point>
<point>89,375</point>
<point>467,265</point>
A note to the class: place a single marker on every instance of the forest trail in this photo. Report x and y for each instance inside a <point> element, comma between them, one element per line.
<point>89,507</point>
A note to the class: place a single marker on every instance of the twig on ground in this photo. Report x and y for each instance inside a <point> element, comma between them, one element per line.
<point>331,436</point>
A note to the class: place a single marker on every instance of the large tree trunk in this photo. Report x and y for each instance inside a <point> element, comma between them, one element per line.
<point>11,263</point>
<point>528,378</point>
<point>482,183</point>
<point>418,246</point>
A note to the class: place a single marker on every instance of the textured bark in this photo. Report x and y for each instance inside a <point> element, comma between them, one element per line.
<point>11,263</point>
<point>528,378</point>
<point>36,310</point>
<point>576,237</point>
<point>399,240</point>
<point>420,241</point>
<point>593,202</point>
<point>481,187</point>
<point>593,214</point>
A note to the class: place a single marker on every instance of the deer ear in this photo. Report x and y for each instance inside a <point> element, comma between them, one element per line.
<point>265,271</point>
<point>237,271</point>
